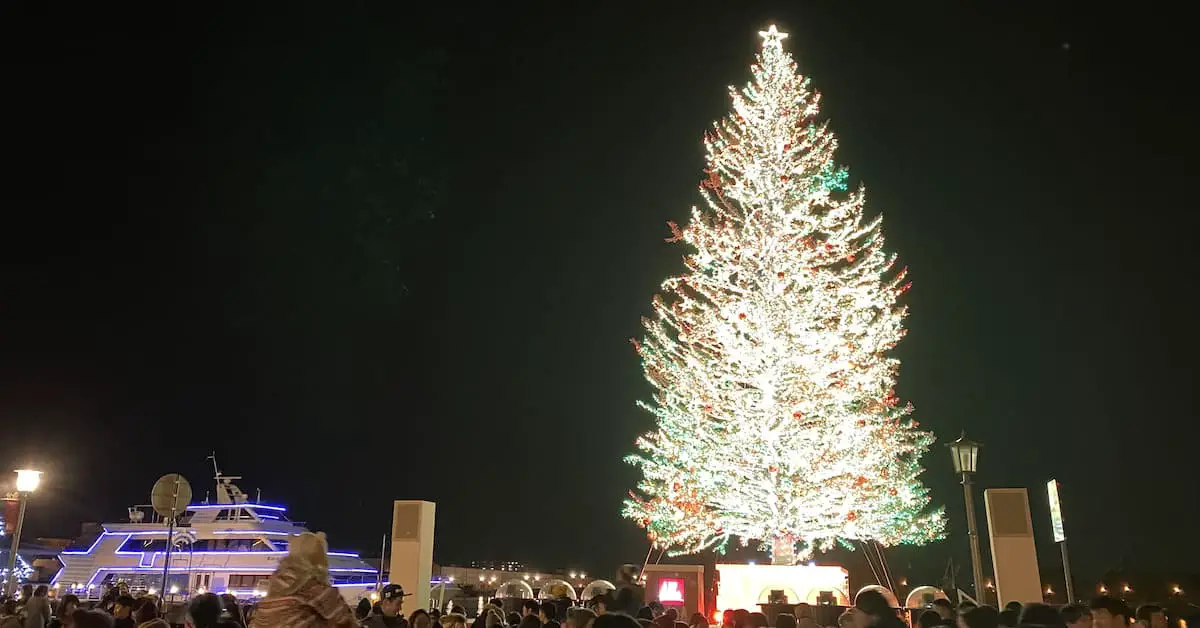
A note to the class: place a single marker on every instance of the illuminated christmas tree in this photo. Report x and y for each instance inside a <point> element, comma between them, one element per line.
<point>777,417</point>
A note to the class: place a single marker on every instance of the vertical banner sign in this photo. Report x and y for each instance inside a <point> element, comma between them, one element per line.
<point>1056,519</point>
<point>12,507</point>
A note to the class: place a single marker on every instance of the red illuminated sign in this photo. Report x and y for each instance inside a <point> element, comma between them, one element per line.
<point>670,590</point>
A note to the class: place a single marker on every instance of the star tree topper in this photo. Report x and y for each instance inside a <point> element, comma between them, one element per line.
<point>772,37</point>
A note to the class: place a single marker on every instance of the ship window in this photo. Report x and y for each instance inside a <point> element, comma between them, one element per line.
<point>245,581</point>
<point>143,545</point>
<point>280,544</point>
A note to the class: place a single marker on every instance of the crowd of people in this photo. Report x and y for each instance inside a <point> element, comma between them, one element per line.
<point>117,609</point>
<point>299,595</point>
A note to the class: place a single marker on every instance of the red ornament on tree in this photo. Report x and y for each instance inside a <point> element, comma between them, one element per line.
<point>828,247</point>
<point>852,516</point>
<point>742,315</point>
<point>784,178</point>
<point>787,147</point>
<point>892,492</point>
<point>780,274</point>
<point>797,415</point>
<point>861,423</point>
<point>850,257</point>
<point>773,469</point>
<point>860,481</point>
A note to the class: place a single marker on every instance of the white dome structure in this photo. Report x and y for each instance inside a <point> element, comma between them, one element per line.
<point>515,589</point>
<point>887,594</point>
<point>596,587</point>
<point>922,597</point>
<point>556,590</point>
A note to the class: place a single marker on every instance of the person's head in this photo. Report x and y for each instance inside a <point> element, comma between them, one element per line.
<point>872,607</point>
<point>698,620</point>
<point>785,620</point>
<point>580,617</point>
<point>627,574</point>
<point>310,548</point>
<point>419,619</point>
<point>547,613</point>
<point>979,617</point>
<point>40,591</point>
<point>1008,618</point>
<point>759,620</point>
<point>727,617</point>
<point>67,605</point>
<point>1153,615</point>
<point>600,603</point>
<point>846,619</point>
<point>26,591</point>
<point>453,620</point>
<point>645,612</point>
<point>1109,612</point>
<point>530,621</point>
<point>930,619</point>
<point>10,607</point>
<point>944,608</point>
<point>391,600</point>
<point>529,607</point>
<point>513,618</point>
<point>1041,615</point>
<point>146,610</point>
<point>1013,606</point>
<point>91,619</point>
<point>363,609</point>
<point>205,610</point>
<point>123,606</point>
<point>1076,616</point>
<point>493,618</point>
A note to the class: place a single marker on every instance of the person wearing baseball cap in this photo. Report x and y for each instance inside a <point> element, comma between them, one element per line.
<point>391,602</point>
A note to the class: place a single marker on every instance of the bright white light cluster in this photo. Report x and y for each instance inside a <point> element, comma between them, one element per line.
<point>777,419</point>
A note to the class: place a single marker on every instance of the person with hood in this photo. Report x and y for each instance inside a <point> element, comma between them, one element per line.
<point>299,594</point>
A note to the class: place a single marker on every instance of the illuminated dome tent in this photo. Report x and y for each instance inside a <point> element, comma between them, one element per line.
<point>596,587</point>
<point>556,590</point>
<point>887,594</point>
<point>820,596</point>
<point>515,589</point>
<point>923,597</point>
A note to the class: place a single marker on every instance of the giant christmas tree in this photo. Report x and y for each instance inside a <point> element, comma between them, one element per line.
<point>777,418</point>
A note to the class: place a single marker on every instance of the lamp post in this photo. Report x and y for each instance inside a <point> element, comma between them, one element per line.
<point>27,482</point>
<point>966,458</point>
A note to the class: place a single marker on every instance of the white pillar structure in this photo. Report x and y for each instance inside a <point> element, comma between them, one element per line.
<point>1014,555</point>
<point>412,549</point>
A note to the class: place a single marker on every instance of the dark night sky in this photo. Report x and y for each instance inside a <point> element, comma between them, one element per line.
<point>372,253</point>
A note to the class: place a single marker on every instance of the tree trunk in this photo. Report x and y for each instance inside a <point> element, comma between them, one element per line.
<point>783,550</point>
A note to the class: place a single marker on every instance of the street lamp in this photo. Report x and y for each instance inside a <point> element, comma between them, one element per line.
<point>27,482</point>
<point>966,459</point>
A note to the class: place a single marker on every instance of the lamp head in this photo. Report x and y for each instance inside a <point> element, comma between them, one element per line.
<point>28,480</point>
<point>965,453</point>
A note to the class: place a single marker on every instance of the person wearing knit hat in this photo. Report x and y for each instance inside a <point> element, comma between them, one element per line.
<point>299,594</point>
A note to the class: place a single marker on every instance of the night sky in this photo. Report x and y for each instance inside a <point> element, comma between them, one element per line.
<point>370,253</point>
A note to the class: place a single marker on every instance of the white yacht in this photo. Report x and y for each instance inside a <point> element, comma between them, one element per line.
<point>230,546</point>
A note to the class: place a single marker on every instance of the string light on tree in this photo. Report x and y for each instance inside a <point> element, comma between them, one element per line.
<point>777,419</point>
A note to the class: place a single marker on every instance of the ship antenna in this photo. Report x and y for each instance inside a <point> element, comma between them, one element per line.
<point>216,471</point>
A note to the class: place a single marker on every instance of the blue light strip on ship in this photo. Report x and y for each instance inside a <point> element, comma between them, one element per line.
<point>267,532</point>
<point>251,506</point>
<point>222,569</point>
<point>227,553</point>
<point>129,535</point>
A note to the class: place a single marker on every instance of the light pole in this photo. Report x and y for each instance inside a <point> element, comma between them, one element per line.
<point>966,459</point>
<point>27,482</point>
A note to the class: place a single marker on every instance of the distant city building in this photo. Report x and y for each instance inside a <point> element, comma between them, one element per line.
<point>510,565</point>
